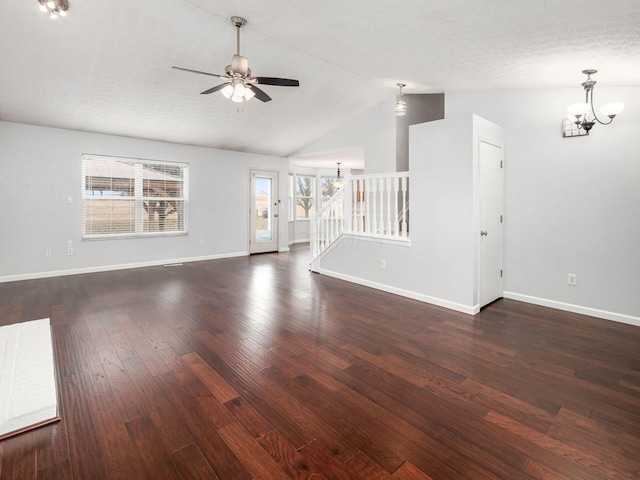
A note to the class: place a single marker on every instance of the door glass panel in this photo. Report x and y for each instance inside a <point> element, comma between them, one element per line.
<point>263,206</point>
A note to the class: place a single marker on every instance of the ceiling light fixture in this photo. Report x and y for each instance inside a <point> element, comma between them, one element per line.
<point>583,114</point>
<point>339,177</point>
<point>401,105</point>
<point>54,7</point>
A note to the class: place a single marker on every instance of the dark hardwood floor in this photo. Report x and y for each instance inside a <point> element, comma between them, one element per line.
<point>255,368</point>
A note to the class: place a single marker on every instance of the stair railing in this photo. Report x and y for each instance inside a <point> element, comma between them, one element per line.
<point>374,205</point>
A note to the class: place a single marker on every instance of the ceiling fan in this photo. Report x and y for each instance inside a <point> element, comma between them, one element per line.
<point>240,86</point>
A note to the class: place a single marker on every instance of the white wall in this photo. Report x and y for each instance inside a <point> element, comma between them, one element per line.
<point>41,167</point>
<point>374,130</point>
<point>571,206</point>
<point>438,267</point>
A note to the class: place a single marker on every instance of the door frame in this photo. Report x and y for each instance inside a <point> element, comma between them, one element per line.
<point>477,219</point>
<point>272,246</point>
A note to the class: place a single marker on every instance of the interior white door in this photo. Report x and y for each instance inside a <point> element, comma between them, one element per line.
<point>491,178</point>
<point>263,213</point>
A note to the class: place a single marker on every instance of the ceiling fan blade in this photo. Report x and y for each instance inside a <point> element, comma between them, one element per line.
<point>215,89</point>
<point>260,94</point>
<point>282,82</point>
<point>201,73</point>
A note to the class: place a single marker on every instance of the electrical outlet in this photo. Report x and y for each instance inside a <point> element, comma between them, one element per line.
<point>48,252</point>
<point>69,251</point>
<point>202,241</point>
<point>572,279</point>
<point>383,264</point>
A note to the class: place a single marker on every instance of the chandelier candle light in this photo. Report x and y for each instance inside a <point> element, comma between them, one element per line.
<point>54,7</point>
<point>583,114</point>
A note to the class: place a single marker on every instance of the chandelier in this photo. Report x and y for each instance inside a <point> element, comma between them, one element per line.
<point>401,105</point>
<point>583,114</point>
<point>54,7</point>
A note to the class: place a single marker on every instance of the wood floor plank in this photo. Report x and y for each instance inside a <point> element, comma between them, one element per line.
<point>213,447</point>
<point>169,426</point>
<point>150,452</point>
<point>248,417</point>
<point>321,459</point>
<point>288,457</point>
<point>57,471</point>
<point>214,382</point>
<point>191,464</point>
<point>253,367</point>
<point>361,466</point>
<point>19,457</point>
<point>53,444</point>
<point>84,442</point>
<point>255,458</point>
<point>118,450</point>
<point>409,472</point>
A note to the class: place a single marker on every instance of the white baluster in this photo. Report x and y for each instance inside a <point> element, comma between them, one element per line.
<point>396,226</point>
<point>388,188</point>
<point>404,206</point>
<point>332,219</point>
<point>367,200</point>
<point>374,209</point>
<point>360,212</point>
<point>353,208</point>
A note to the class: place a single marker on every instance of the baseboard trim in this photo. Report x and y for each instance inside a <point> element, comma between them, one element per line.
<point>592,312</point>
<point>458,307</point>
<point>123,266</point>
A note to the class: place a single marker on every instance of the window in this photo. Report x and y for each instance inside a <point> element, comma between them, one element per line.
<point>330,186</point>
<point>125,197</point>
<point>304,196</point>
<point>291,209</point>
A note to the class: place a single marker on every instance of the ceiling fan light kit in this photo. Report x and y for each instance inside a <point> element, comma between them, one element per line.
<point>54,8</point>
<point>584,115</point>
<point>240,86</point>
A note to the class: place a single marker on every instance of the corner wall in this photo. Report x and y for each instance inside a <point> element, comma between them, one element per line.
<point>572,205</point>
<point>40,168</point>
<point>438,267</point>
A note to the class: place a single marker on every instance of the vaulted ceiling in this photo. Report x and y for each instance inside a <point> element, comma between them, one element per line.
<point>106,66</point>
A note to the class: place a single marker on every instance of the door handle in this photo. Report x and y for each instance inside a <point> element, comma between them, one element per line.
<point>484,233</point>
<point>275,214</point>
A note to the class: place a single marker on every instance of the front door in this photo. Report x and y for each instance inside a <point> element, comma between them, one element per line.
<point>491,217</point>
<point>264,212</point>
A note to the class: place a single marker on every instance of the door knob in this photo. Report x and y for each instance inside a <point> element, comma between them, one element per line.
<point>483,233</point>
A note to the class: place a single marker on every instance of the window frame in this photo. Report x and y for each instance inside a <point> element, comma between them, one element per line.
<point>291,196</point>
<point>138,215</point>
<point>334,180</point>
<point>310,197</point>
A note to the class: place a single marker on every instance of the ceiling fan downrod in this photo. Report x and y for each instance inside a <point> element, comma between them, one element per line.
<point>238,22</point>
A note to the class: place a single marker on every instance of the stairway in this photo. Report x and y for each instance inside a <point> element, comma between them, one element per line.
<point>373,206</point>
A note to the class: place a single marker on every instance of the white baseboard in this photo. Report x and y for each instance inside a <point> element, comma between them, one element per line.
<point>282,250</point>
<point>302,240</point>
<point>458,307</point>
<point>124,266</point>
<point>593,312</point>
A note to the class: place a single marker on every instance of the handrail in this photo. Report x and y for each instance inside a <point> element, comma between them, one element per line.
<point>371,205</point>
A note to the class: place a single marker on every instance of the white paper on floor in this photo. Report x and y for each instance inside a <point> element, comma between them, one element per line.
<point>27,379</point>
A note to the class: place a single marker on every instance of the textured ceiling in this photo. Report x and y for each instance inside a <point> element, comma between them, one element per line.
<point>106,66</point>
